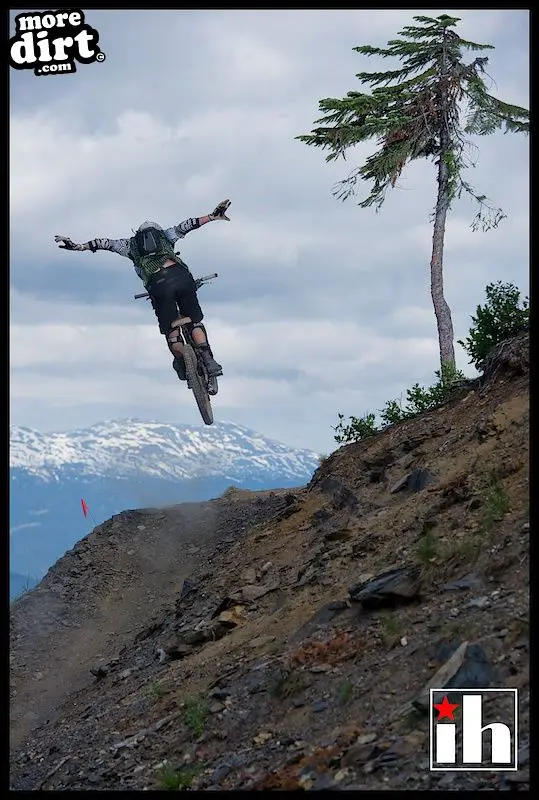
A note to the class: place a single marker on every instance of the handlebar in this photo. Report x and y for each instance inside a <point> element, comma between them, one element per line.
<point>198,281</point>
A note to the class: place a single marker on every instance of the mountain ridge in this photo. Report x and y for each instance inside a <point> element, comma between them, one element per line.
<point>134,446</point>
<point>129,463</point>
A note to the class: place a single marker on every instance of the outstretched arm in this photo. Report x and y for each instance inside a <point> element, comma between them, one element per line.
<point>120,246</point>
<point>188,225</point>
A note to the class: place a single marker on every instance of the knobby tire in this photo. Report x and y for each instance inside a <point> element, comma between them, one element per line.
<point>196,383</point>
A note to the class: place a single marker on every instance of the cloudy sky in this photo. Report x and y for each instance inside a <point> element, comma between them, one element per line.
<point>320,306</point>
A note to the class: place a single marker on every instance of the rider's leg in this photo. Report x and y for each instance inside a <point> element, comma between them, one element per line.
<point>162,296</point>
<point>175,347</point>
<point>190,306</point>
<point>198,332</point>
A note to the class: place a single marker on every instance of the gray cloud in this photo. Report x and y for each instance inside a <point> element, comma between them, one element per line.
<point>320,306</point>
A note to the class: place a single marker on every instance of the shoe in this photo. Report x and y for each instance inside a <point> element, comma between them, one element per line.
<point>179,367</point>
<point>214,369</point>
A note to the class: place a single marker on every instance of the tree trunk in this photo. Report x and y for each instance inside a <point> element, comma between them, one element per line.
<point>441,309</point>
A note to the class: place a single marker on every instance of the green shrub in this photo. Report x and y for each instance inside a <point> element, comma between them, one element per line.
<point>358,428</point>
<point>418,399</point>
<point>502,316</point>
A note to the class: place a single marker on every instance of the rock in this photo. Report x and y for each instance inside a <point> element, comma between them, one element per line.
<point>360,752</point>
<point>525,528</point>
<point>320,706</point>
<point>473,504</point>
<point>216,707</point>
<point>440,678</point>
<point>341,496</point>
<point>177,651</point>
<point>307,575</point>
<point>260,641</point>
<point>377,474</point>
<point>220,694</point>
<point>415,481</point>
<point>226,602</point>
<point>467,582</point>
<point>251,593</point>
<point>262,737</point>
<point>366,738</point>
<point>467,668</point>
<point>479,602</point>
<point>322,617</point>
<point>321,668</point>
<point>447,779</point>
<point>194,637</point>
<point>265,567</point>
<point>189,587</point>
<point>235,616</point>
<point>220,773</point>
<point>405,461</point>
<point>248,575</point>
<point>100,672</point>
<point>524,754</point>
<point>401,484</point>
<point>476,671</point>
<point>125,674</point>
<point>405,746</point>
<point>323,782</point>
<point>404,641</point>
<point>389,589</point>
<point>337,534</point>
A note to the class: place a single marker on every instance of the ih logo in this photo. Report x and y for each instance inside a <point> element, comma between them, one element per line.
<point>460,739</point>
<point>49,42</point>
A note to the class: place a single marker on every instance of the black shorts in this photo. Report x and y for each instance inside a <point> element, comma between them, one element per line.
<point>174,285</point>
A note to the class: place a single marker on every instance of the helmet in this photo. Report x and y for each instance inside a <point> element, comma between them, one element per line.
<point>144,225</point>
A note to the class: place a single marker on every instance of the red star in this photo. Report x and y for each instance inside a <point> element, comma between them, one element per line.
<point>446,709</point>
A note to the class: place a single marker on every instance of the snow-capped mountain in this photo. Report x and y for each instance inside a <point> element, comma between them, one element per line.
<point>126,448</point>
<point>131,463</point>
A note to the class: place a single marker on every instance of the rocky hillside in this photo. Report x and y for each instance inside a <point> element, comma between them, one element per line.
<point>287,639</point>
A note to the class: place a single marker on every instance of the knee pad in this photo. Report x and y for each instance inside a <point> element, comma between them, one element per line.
<point>194,325</point>
<point>174,337</point>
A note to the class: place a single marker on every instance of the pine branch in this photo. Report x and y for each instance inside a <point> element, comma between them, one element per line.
<point>414,111</point>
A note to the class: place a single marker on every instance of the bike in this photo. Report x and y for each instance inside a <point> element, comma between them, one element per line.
<point>201,384</point>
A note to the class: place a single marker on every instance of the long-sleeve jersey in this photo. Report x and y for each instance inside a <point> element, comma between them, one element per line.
<point>123,246</point>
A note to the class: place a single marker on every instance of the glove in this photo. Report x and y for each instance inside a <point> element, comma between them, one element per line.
<point>67,244</point>
<point>219,211</point>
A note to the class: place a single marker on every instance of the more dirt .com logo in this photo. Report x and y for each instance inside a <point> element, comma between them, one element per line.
<point>50,42</point>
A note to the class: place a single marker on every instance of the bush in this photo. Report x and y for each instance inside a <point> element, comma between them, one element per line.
<point>418,399</point>
<point>502,316</point>
<point>359,428</point>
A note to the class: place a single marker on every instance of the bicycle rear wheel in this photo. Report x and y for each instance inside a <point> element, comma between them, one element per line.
<point>197,384</point>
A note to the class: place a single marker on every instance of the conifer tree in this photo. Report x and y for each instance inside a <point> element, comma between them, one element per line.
<point>426,108</point>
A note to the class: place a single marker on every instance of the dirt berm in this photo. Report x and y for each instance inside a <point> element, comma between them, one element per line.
<point>287,639</point>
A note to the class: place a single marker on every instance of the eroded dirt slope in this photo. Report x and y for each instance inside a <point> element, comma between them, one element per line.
<point>293,647</point>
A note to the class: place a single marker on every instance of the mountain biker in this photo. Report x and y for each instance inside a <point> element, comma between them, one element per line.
<point>166,278</point>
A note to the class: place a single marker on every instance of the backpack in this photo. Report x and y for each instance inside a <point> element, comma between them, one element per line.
<point>149,242</point>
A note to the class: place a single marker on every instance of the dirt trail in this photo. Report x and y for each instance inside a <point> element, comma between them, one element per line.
<point>111,585</point>
<point>52,651</point>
